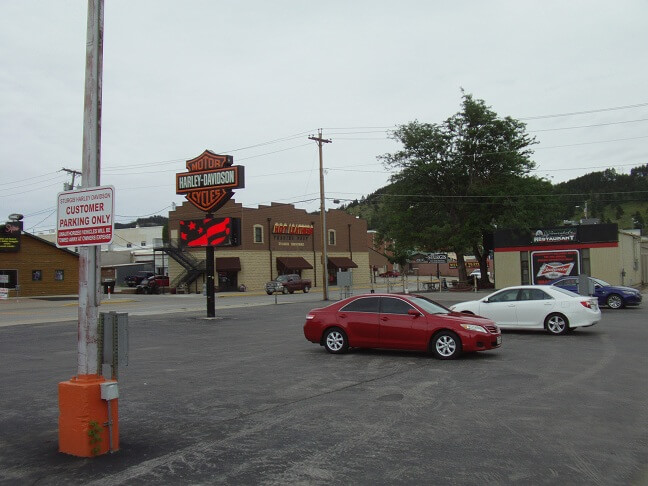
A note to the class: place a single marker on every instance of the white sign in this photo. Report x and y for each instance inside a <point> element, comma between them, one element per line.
<point>4,293</point>
<point>85,217</point>
<point>4,278</point>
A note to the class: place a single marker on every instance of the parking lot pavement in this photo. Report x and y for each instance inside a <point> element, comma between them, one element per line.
<point>17,311</point>
<point>245,399</point>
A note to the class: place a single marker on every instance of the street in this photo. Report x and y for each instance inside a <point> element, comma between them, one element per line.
<point>245,399</point>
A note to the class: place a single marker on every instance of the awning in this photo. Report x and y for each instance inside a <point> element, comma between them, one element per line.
<point>228,264</point>
<point>342,262</point>
<point>293,263</point>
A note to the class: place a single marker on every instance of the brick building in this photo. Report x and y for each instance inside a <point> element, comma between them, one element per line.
<point>270,241</point>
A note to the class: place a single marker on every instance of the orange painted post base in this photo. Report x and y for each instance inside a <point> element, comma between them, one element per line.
<point>83,416</point>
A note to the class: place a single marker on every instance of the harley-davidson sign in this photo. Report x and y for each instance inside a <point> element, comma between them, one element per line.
<point>210,181</point>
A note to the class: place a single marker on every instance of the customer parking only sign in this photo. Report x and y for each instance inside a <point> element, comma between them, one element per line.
<point>85,217</point>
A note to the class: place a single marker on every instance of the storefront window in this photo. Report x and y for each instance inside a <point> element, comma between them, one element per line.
<point>59,274</point>
<point>524,266</point>
<point>8,279</point>
<point>258,233</point>
<point>37,275</point>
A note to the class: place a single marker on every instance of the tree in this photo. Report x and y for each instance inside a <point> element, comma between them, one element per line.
<point>460,179</point>
<point>637,220</point>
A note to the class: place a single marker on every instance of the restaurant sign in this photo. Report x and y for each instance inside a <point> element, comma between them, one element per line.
<point>292,229</point>
<point>557,235</point>
<point>210,182</point>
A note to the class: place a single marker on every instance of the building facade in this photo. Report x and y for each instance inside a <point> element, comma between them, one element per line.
<point>538,256</point>
<point>37,267</point>
<point>270,241</point>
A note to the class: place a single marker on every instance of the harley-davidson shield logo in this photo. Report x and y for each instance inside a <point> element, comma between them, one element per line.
<point>210,180</point>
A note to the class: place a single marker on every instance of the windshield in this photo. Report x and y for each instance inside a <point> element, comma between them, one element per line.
<point>430,306</point>
<point>601,282</point>
<point>282,278</point>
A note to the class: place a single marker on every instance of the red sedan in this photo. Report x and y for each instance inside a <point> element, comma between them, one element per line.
<point>399,321</point>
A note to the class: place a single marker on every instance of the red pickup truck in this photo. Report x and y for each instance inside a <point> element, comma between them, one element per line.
<point>288,284</point>
<point>152,284</point>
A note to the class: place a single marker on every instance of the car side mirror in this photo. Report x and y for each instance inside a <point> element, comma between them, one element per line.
<point>486,301</point>
<point>413,312</point>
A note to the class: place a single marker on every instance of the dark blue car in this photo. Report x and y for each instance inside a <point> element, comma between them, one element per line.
<point>613,296</point>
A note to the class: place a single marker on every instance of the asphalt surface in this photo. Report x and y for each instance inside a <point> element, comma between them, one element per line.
<point>245,399</point>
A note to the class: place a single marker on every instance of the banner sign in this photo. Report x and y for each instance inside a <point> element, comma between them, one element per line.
<point>209,232</point>
<point>210,182</point>
<point>10,236</point>
<point>550,265</point>
<point>85,217</point>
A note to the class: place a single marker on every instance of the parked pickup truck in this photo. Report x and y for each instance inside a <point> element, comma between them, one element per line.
<point>135,280</point>
<point>152,285</point>
<point>288,284</point>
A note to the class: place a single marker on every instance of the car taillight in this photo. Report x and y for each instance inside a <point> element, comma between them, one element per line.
<point>586,303</point>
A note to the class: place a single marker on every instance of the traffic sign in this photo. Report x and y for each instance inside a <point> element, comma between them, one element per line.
<point>85,217</point>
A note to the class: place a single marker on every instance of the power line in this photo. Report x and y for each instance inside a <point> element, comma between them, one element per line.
<point>587,112</point>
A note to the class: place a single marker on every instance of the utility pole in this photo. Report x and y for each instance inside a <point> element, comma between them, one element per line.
<point>89,264</point>
<point>81,399</point>
<point>321,141</point>
<point>74,173</point>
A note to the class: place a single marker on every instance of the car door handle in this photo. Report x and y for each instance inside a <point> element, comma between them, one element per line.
<point>384,318</point>
<point>343,316</point>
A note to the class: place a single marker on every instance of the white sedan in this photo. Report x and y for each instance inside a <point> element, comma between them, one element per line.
<point>535,307</point>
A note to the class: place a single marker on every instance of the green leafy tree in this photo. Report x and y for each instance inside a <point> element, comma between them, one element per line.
<point>460,179</point>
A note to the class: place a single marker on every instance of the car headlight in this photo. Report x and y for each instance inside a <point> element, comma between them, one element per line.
<point>629,292</point>
<point>474,327</point>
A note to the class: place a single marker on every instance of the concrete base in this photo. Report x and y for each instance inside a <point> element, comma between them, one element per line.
<point>83,417</point>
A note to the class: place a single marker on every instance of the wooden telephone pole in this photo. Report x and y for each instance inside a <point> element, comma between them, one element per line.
<point>321,141</point>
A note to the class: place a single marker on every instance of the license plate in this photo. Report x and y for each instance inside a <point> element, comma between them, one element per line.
<point>499,339</point>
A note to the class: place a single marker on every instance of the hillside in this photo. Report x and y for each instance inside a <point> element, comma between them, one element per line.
<point>607,195</point>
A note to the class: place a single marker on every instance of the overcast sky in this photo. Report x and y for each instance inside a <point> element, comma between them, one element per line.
<point>255,78</point>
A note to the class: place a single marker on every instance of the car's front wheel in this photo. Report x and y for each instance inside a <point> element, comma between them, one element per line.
<point>284,290</point>
<point>556,324</point>
<point>335,341</point>
<point>446,345</point>
<point>269,292</point>
<point>614,301</point>
<point>306,289</point>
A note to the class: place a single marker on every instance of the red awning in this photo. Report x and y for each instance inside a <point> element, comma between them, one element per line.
<point>228,264</point>
<point>342,262</point>
<point>293,263</point>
